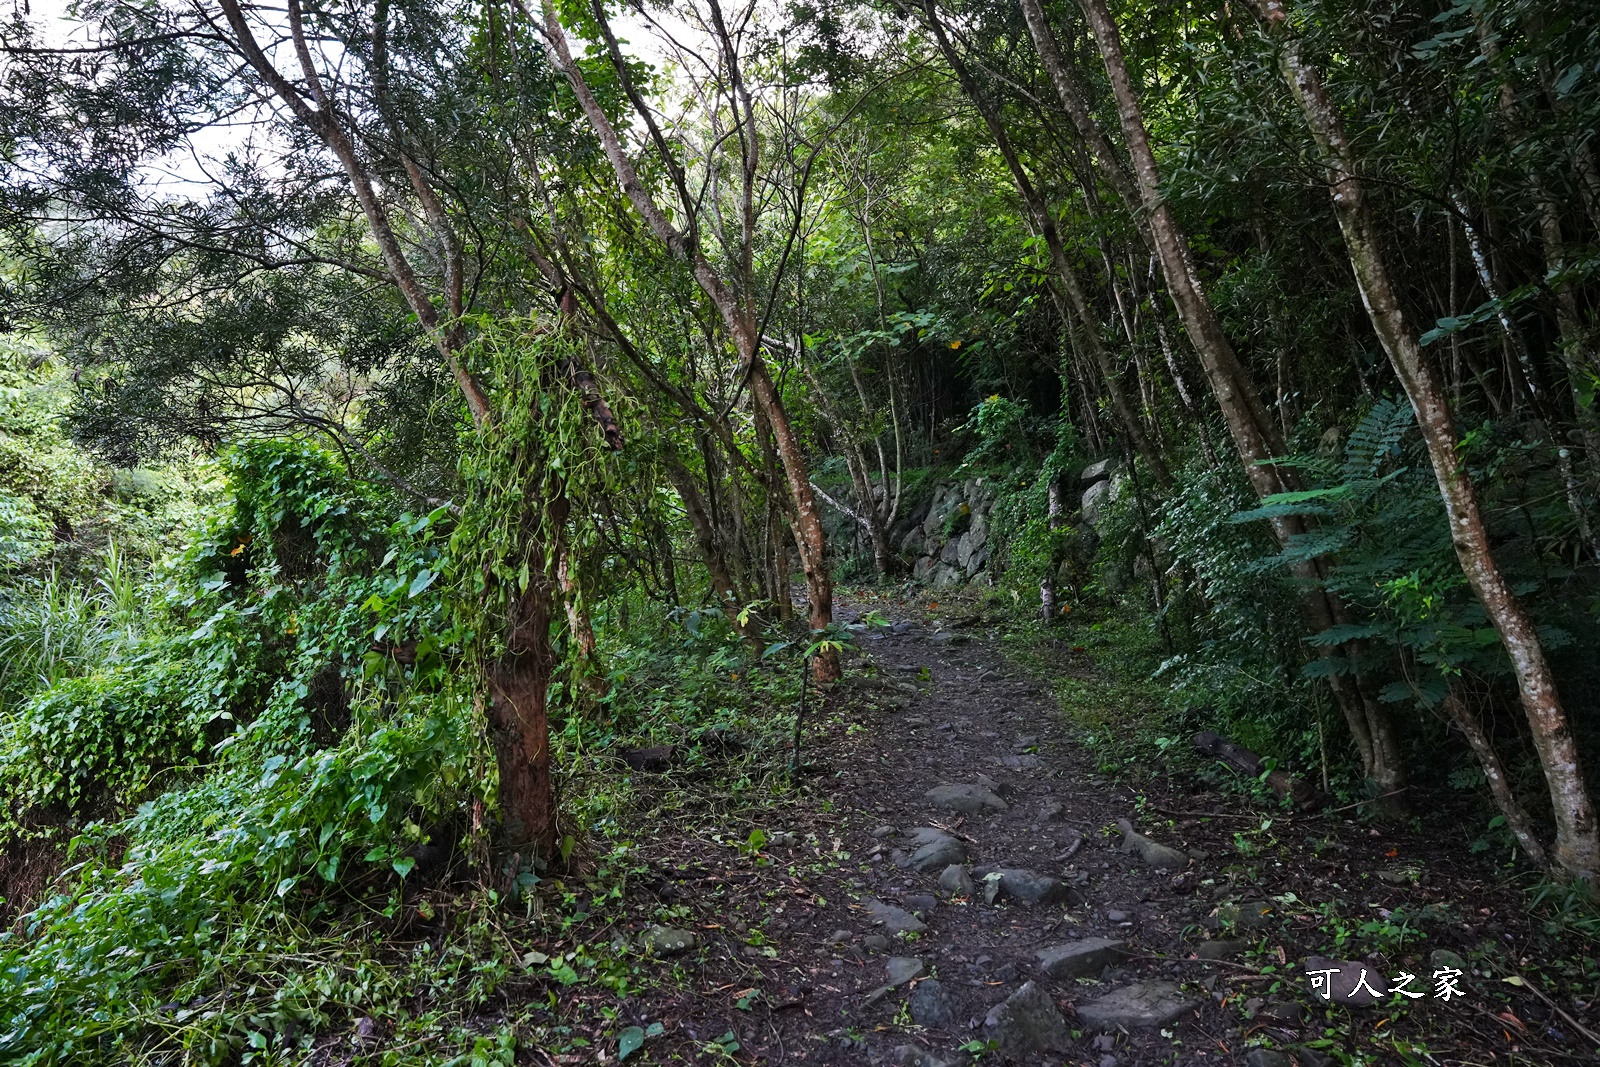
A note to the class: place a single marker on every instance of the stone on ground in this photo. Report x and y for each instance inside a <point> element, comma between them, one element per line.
<point>1029,887</point>
<point>1080,959</point>
<point>1143,1004</point>
<point>1220,949</point>
<point>1267,1057</point>
<point>956,879</point>
<point>666,941</point>
<point>912,1056</point>
<point>1154,853</point>
<point>967,799</point>
<point>929,1005</point>
<point>901,969</point>
<point>893,919</point>
<point>1028,1022</point>
<point>933,850</point>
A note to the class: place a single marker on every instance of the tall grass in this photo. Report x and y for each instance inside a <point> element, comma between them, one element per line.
<point>53,628</point>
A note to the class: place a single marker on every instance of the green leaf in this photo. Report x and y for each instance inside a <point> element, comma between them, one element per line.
<point>629,1042</point>
<point>423,579</point>
<point>403,865</point>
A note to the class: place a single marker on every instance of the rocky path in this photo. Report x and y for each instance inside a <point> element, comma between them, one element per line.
<point>981,900</point>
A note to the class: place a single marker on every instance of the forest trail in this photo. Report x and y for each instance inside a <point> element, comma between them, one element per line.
<point>955,767</point>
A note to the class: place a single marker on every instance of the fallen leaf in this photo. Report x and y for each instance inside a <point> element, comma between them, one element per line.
<point>1507,1017</point>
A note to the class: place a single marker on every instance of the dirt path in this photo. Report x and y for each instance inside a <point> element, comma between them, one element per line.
<point>955,889</point>
<point>869,943</point>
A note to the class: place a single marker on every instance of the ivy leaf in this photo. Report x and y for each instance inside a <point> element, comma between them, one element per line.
<point>629,1042</point>
<point>423,579</point>
<point>402,866</point>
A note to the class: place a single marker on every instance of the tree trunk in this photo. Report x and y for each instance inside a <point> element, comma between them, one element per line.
<point>1067,287</point>
<point>722,585</point>
<point>1495,773</point>
<point>738,317</point>
<point>1255,438</point>
<point>1577,846</point>
<point>519,724</point>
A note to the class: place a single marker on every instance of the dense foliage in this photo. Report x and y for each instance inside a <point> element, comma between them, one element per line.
<point>405,408</point>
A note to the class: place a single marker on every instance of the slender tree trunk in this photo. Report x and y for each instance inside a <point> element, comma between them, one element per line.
<point>722,584</point>
<point>1466,718</point>
<point>1068,288</point>
<point>1577,846</point>
<point>1255,438</point>
<point>739,319</point>
<point>1056,517</point>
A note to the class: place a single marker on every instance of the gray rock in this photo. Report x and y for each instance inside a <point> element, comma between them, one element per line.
<point>922,568</point>
<point>921,903</point>
<point>934,850</point>
<point>1097,471</point>
<point>930,1006</point>
<point>666,940</point>
<point>944,575</point>
<point>1017,763</point>
<point>1221,949</point>
<point>1156,855</point>
<point>1050,811</point>
<point>967,799</point>
<point>1108,1060</point>
<point>1079,959</point>
<point>967,544</point>
<point>1028,1022</point>
<point>956,879</point>
<point>1094,498</point>
<point>883,831</point>
<point>1104,1042</point>
<point>998,788</point>
<point>1348,984</point>
<point>1116,916</point>
<point>902,969</point>
<point>893,919</point>
<point>875,943</point>
<point>1266,1057</point>
<point>838,937</point>
<point>1443,957</point>
<point>1027,887</point>
<point>1143,1004</point>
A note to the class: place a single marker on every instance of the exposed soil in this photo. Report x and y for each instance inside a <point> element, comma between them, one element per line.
<point>946,707</point>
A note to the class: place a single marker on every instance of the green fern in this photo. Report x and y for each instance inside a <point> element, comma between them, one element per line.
<point>1376,438</point>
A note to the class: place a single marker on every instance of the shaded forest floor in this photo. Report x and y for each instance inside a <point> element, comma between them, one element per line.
<point>754,926</point>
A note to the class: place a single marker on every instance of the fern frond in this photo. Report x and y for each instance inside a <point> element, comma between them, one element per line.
<point>1376,438</point>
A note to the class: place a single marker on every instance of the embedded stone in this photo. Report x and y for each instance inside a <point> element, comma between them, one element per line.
<point>1143,1004</point>
<point>967,799</point>
<point>1155,854</point>
<point>1028,1022</point>
<point>1080,959</point>
<point>930,1006</point>
<point>893,919</point>
<point>666,941</point>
